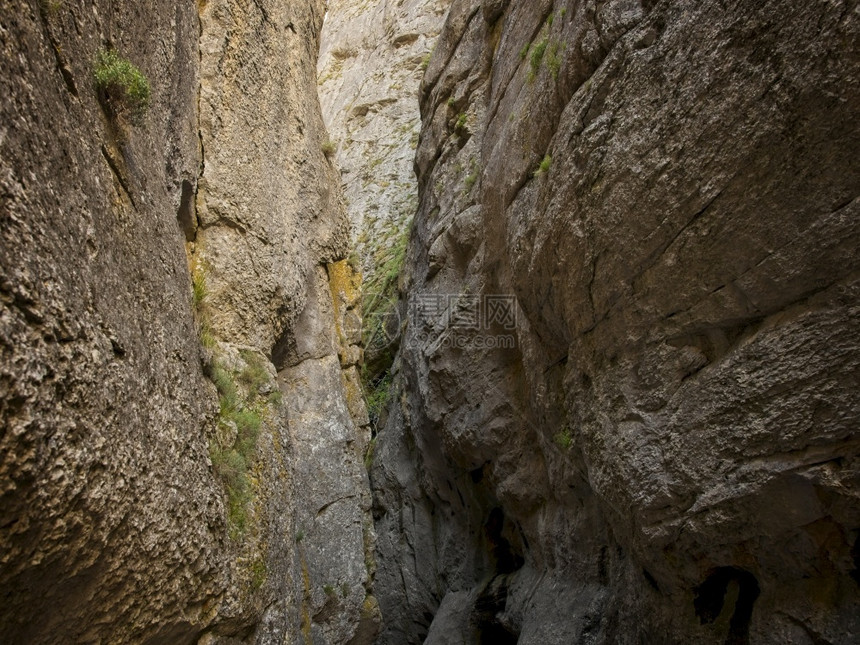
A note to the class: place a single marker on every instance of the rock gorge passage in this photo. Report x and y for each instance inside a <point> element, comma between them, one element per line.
<point>589,374</point>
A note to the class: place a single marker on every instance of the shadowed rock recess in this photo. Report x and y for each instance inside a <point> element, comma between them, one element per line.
<point>622,349</point>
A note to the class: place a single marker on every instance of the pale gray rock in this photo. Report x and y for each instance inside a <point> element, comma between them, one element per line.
<point>372,58</point>
<point>331,512</point>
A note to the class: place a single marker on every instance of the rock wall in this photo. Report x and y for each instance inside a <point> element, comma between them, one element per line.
<point>372,58</point>
<point>664,195</point>
<point>178,437</point>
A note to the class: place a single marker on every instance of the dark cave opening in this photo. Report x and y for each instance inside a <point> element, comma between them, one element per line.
<point>506,559</point>
<point>490,626</point>
<point>711,595</point>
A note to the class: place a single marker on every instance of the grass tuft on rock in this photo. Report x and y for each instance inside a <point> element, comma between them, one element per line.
<point>553,59</point>
<point>198,289</point>
<point>377,396</point>
<point>564,439</point>
<point>381,322</point>
<point>122,88</point>
<point>254,375</point>
<point>242,409</point>
<point>544,166</point>
<point>536,59</point>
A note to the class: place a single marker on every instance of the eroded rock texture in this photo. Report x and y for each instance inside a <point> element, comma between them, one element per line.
<point>372,58</point>
<point>118,524</point>
<point>669,454</point>
<point>112,523</point>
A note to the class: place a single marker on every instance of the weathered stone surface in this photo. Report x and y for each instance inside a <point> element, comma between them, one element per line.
<point>372,58</point>
<point>115,525</point>
<point>670,452</point>
<point>270,223</point>
<point>112,524</point>
<point>267,192</point>
<point>332,512</point>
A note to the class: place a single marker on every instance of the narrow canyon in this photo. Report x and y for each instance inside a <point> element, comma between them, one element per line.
<point>430,321</point>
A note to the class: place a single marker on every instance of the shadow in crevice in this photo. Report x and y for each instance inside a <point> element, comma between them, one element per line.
<point>186,214</point>
<point>855,554</point>
<point>507,560</point>
<point>488,620</point>
<point>490,627</point>
<point>711,606</point>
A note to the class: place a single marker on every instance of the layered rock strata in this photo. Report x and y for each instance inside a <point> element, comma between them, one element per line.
<point>667,192</point>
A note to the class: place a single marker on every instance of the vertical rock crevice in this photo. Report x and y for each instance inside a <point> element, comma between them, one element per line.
<point>271,229</point>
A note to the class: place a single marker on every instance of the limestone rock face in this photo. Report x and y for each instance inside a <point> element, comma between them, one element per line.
<point>266,194</point>
<point>270,223</point>
<point>112,525</point>
<point>372,58</point>
<point>665,197</point>
<point>133,509</point>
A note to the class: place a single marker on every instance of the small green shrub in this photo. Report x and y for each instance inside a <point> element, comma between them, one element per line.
<point>379,293</point>
<point>231,467</point>
<point>543,167</point>
<point>248,422</point>
<point>226,388</point>
<point>377,397</point>
<point>553,59</point>
<point>254,375</point>
<point>451,101</point>
<point>461,121</point>
<point>232,460</point>
<point>549,19</point>
<point>258,573</point>
<point>329,590</point>
<point>564,439</point>
<point>328,147</point>
<point>121,86</point>
<point>198,289</point>
<point>368,454</point>
<point>300,535</point>
<point>381,321</point>
<point>51,6</point>
<point>425,61</point>
<point>525,51</point>
<point>470,180</point>
<point>207,337</point>
<point>537,58</point>
<point>199,296</point>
